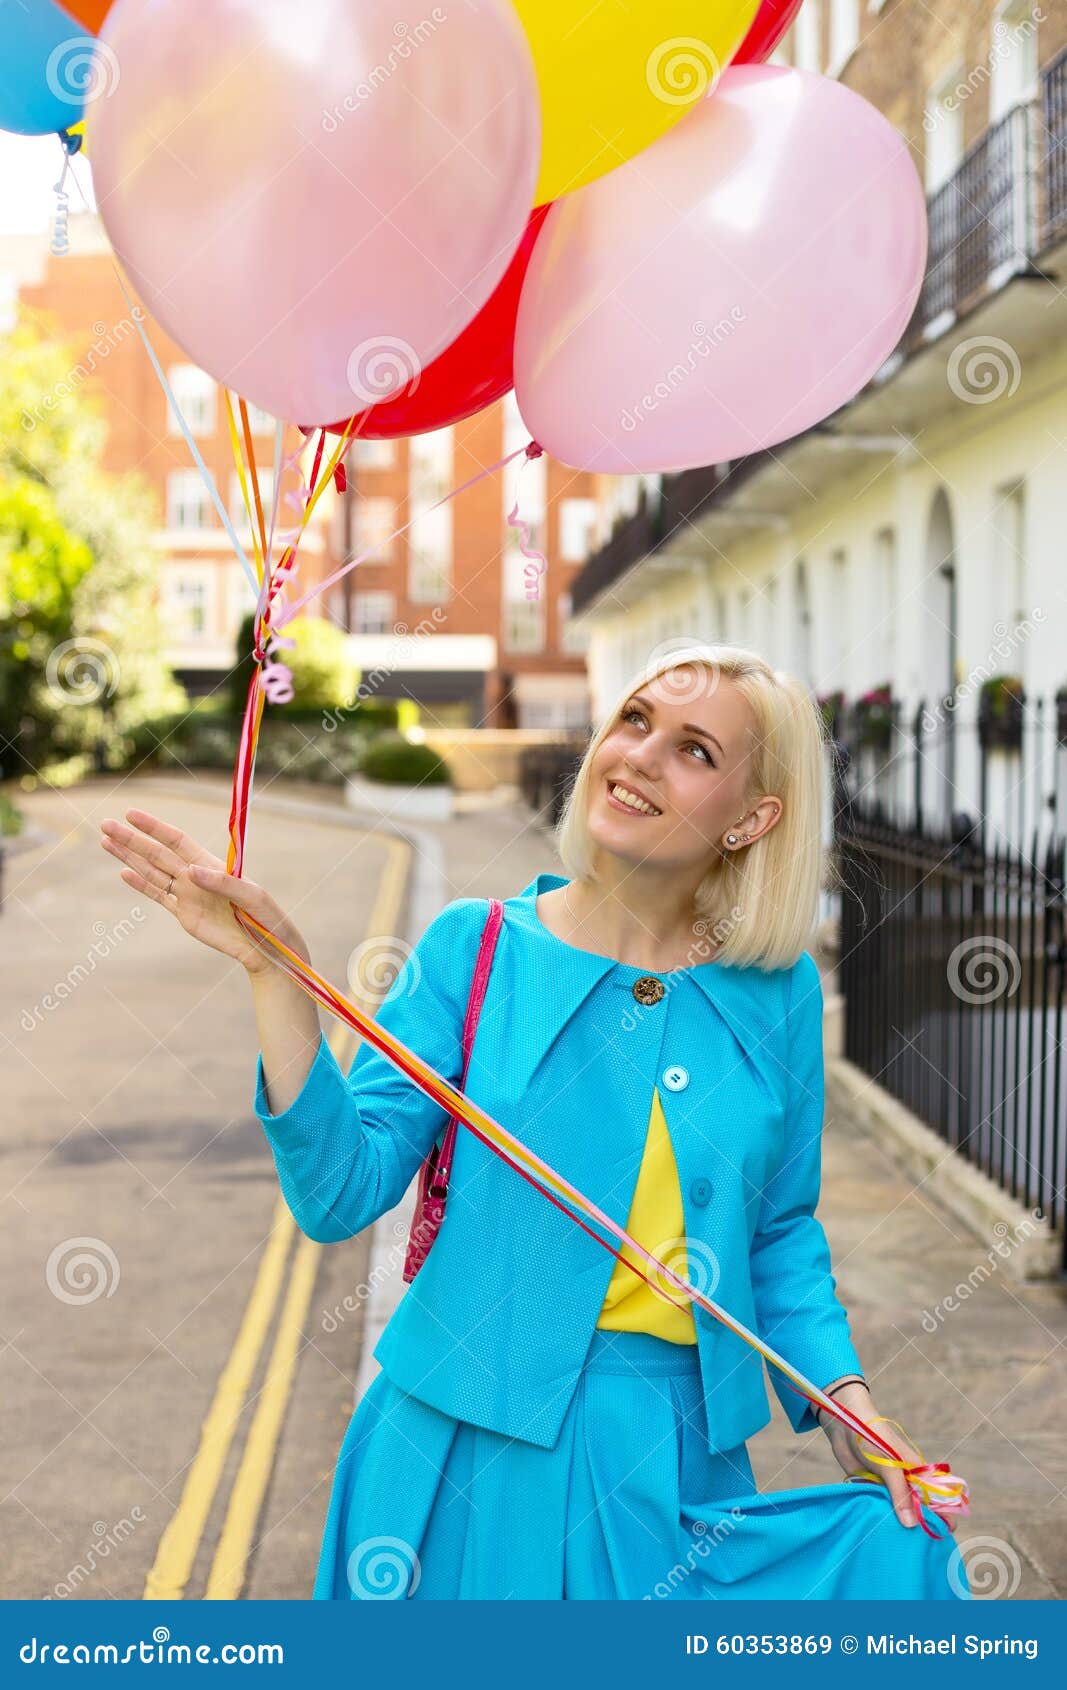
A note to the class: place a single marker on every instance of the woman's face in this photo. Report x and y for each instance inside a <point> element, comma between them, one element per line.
<point>682,742</point>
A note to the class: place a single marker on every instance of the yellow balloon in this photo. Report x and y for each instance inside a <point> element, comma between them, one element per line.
<point>615,74</point>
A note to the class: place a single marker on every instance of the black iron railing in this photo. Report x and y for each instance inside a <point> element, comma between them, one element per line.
<point>952,966</point>
<point>1054,125</point>
<point>997,763</point>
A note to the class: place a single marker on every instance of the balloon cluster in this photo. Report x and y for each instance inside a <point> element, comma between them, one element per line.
<point>675,252</point>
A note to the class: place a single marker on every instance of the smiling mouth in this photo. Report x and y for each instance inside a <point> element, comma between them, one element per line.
<point>625,799</point>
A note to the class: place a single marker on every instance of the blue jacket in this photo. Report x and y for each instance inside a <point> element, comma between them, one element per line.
<point>495,1326</point>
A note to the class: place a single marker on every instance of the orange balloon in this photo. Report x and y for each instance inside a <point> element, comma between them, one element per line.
<point>89,13</point>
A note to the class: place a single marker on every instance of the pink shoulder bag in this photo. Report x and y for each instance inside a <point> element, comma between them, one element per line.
<point>433,1176</point>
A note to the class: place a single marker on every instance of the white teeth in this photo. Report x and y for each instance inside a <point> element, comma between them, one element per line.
<point>626,797</point>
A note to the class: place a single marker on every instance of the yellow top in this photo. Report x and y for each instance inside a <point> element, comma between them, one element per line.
<point>656,1221</point>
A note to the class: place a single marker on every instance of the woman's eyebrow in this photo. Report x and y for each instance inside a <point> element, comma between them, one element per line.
<point>690,727</point>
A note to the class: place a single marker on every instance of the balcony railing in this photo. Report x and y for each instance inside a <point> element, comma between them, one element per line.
<point>658,519</point>
<point>1054,121</point>
<point>981,224</point>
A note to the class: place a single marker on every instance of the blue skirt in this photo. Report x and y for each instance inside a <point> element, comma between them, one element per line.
<point>628,1504</point>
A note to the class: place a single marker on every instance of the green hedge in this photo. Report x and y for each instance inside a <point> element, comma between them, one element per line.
<point>307,744</point>
<point>394,759</point>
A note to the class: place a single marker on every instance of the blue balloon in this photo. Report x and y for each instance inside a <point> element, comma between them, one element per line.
<point>47,68</point>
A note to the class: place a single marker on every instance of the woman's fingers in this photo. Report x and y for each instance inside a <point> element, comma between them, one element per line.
<point>148,875</point>
<point>140,883</point>
<point>139,847</point>
<point>244,893</point>
<point>170,837</point>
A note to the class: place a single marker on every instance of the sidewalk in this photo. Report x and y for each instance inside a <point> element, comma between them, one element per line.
<point>972,1365</point>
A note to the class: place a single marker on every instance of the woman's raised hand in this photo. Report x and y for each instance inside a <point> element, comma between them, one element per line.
<point>184,877</point>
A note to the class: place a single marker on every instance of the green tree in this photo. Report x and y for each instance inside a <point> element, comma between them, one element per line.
<point>324,676</point>
<point>105,667</point>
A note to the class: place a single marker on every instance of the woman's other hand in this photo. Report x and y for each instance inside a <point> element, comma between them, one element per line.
<point>852,1453</point>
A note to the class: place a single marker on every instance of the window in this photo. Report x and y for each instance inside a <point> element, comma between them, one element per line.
<point>186,595</point>
<point>844,32</point>
<point>430,555</point>
<point>259,422</point>
<point>770,619</point>
<point>188,506</point>
<point>373,454</point>
<point>577,525</point>
<point>374,613</point>
<point>566,715</point>
<point>1009,562</point>
<point>943,128</point>
<point>238,514</point>
<point>885,632</point>
<point>524,625</point>
<point>808,33</point>
<point>839,618</point>
<point>194,395</point>
<point>430,466</point>
<point>1014,56</point>
<point>374,522</point>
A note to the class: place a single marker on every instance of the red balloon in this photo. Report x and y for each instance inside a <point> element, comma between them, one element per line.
<point>765,31</point>
<point>89,13</point>
<point>469,374</point>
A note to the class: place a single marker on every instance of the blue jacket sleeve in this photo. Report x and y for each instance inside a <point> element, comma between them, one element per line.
<point>794,1291</point>
<point>348,1147</point>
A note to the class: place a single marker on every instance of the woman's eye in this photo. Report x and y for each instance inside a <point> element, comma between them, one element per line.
<point>628,715</point>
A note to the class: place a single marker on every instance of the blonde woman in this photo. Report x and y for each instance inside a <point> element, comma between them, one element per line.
<point>544,1425</point>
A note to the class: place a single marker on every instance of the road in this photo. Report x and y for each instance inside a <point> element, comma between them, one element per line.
<point>158,1283</point>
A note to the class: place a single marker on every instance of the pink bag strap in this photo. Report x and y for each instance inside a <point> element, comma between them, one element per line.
<point>479,983</point>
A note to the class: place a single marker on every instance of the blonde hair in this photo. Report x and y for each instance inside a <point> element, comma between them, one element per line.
<point>760,902</point>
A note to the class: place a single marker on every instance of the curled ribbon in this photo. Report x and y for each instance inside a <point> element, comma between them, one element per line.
<point>533,577</point>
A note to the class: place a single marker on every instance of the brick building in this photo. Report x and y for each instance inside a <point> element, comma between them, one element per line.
<point>439,614</point>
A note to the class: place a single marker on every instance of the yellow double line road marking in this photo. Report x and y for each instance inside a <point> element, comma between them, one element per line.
<point>178,1547</point>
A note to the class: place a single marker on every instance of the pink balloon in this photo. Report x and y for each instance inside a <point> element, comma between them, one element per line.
<point>733,284</point>
<point>314,196</point>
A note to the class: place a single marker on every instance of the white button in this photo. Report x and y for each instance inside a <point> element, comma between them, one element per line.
<point>675,1079</point>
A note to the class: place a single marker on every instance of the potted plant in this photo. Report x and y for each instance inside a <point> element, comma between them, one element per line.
<point>831,705</point>
<point>1001,703</point>
<point>872,716</point>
